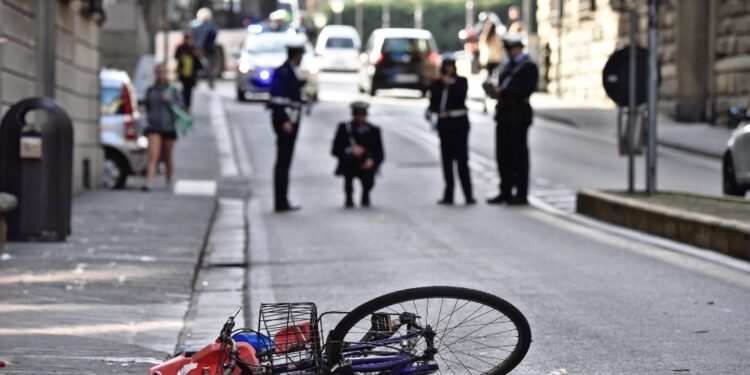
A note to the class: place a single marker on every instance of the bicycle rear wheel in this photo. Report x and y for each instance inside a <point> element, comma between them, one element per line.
<point>474,332</point>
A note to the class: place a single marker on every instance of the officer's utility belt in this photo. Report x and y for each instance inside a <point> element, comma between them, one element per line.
<point>453,113</point>
<point>286,102</point>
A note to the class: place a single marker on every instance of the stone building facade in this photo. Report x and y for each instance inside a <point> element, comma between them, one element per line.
<point>127,29</point>
<point>70,74</point>
<point>704,51</point>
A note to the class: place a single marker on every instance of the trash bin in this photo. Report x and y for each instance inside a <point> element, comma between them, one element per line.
<point>36,158</point>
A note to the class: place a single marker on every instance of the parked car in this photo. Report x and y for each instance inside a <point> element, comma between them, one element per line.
<point>260,55</point>
<point>736,161</point>
<point>398,58</point>
<point>121,129</point>
<point>338,48</point>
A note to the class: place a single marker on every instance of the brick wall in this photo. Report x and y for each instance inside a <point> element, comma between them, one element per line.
<point>732,56</point>
<point>76,75</point>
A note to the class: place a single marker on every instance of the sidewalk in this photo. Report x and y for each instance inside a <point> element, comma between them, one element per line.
<point>113,298</point>
<point>698,138</point>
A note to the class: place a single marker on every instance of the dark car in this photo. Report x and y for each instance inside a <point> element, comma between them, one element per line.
<point>398,58</point>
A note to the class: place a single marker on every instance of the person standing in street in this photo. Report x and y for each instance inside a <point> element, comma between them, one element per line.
<point>359,149</point>
<point>286,106</point>
<point>205,32</point>
<point>161,130</point>
<point>188,64</point>
<point>490,46</point>
<point>516,83</point>
<point>448,105</point>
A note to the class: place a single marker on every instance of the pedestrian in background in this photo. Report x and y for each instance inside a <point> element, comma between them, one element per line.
<point>286,110</point>
<point>205,32</point>
<point>188,65</point>
<point>359,149</point>
<point>517,82</point>
<point>448,106</point>
<point>515,25</point>
<point>490,45</point>
<point>161,130</point>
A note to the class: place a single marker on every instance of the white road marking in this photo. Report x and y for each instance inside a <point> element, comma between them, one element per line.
<point>218,119</point>
<point>195,187</point>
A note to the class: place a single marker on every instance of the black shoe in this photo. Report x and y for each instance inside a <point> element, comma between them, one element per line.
<point>365,200</point>
<point>287,208</point>
<point>500,199</point>
<point>518,201</point>
<point>445,202</point>
<point>349,203</point>
<point>470,201</point>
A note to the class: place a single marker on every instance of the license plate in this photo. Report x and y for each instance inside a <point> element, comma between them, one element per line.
<point>406,78</point>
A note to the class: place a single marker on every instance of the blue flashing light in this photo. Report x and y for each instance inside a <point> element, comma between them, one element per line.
<point>264,75</point>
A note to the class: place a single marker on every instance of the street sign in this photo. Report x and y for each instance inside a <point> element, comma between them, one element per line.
<point>615,76</point>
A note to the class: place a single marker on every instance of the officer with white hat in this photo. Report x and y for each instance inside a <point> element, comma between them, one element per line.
<point>359,148</point>
<point>285,105</point>
<point>516,83</point>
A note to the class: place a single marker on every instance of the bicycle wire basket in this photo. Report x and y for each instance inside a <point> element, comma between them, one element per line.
<point>296,338</point>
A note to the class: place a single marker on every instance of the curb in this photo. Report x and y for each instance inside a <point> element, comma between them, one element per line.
<point>729,237</point>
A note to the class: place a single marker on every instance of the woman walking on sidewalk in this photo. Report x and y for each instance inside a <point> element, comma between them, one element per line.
<point>448,104</point>
<point>161,130</point>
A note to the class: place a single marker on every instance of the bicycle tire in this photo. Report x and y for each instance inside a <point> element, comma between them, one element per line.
<point>339,334</point>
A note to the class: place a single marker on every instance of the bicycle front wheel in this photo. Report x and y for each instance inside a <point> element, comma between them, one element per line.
<point>462,331</point>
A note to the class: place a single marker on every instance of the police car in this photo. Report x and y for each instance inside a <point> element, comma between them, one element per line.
<point>264,51</point>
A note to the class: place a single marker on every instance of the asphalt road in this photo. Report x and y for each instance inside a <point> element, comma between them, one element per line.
<point>597,303</point>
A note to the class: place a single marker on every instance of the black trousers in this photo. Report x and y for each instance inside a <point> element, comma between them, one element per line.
<point>187,91</point>
<point>512,153</point>
<point>366,177</point>
<point>454,148</point>
<point>284,151</point>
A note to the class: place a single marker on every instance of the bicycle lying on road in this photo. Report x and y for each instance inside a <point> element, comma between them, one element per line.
<point>413,331</point>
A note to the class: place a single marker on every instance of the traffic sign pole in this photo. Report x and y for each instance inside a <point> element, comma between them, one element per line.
<point>632,112</point>
<point>653,83</point>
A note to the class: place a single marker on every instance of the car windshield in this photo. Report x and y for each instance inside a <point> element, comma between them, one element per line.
<point>339,43</point>
<point>403,46</point>
<point>265,44</point>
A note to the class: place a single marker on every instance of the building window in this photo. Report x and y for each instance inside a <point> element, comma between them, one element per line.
<point>556,11</point>
<point>586,9</point>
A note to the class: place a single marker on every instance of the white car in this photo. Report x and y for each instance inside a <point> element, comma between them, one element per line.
<point>260,55</point>
<point>338,48</point>
<point>736,162</point>
<point>121,129</point>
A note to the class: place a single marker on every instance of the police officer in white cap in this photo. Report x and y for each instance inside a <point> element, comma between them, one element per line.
<point>359,148</point>
<point>516,83</point>
<point>285,105</point>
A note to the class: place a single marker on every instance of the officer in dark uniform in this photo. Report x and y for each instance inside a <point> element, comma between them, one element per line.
<point>516,83</point>
<point>285,105</point>
<point>359,148</point>
<point>448,109</point>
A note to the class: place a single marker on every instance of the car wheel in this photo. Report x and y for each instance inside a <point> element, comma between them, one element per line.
<point>241,96</point>
<point>115,172</point>
<point>731,186</point>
